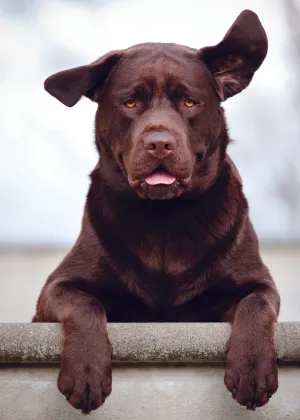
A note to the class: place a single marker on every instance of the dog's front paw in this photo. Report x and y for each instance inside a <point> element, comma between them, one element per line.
<point>85,374</point>
<point>251,372</point>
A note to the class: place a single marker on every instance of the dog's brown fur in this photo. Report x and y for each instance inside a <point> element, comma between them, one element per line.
<point>154,253</point>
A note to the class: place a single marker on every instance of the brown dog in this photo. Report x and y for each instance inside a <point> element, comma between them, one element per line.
<point>166,234</point>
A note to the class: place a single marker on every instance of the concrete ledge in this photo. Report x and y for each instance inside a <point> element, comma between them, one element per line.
<point>161,371</point>
<point>143,343</point>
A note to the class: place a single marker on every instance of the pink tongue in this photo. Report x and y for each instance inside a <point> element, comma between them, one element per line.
<point>160,178</point>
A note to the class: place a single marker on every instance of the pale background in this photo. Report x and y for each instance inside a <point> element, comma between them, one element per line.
<point>47,149</point>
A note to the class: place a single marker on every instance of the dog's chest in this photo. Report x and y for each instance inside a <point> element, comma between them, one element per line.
<point>166,259</point>
<point>163,254</point>
<point>169,252</point>
<point>168,267</point>
<point>172,246</point>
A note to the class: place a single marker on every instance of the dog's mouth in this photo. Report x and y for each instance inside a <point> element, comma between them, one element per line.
<point>160,176</point>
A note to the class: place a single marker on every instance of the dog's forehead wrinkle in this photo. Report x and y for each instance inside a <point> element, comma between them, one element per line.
<point>161,57</point>
<point>164,75</point>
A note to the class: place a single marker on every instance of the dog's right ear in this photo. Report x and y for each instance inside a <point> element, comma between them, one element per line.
<point>69,86</point>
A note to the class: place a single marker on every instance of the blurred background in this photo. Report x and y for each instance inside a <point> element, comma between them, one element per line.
<point>47,149</point>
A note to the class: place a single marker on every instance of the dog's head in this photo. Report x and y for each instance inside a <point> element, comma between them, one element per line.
<point>160,129</point>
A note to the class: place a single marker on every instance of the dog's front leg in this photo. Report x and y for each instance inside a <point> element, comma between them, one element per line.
<point>251,372</point>
<point>85,373</point>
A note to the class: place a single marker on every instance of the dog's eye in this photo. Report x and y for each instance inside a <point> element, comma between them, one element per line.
<point>131,103</point>
<point>189,102</point>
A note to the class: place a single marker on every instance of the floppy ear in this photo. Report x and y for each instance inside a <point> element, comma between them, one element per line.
<point>69,86</point>
<point>236,58</point>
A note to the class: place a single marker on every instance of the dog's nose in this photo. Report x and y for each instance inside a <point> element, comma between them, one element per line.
<point>159,143</point>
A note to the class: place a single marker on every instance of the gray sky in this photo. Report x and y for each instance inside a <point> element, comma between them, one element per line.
<point>47,149</point>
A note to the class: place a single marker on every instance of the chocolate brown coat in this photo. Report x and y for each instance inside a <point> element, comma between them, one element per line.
<point>162,251</point>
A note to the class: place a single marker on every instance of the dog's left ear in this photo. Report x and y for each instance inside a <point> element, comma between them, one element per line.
<point>236,58</point>
<point>68,86</point>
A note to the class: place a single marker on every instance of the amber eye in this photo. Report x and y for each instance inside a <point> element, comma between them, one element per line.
<point>189,102</point>
<point>130,103</point>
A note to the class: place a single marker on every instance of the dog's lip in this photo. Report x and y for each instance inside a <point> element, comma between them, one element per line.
<point>161,173</point>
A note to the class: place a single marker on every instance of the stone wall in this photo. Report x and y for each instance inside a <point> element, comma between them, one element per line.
<point>161,371</point>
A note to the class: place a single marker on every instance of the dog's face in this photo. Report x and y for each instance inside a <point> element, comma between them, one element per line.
<point>160,129</point>
<point>164,117</point>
